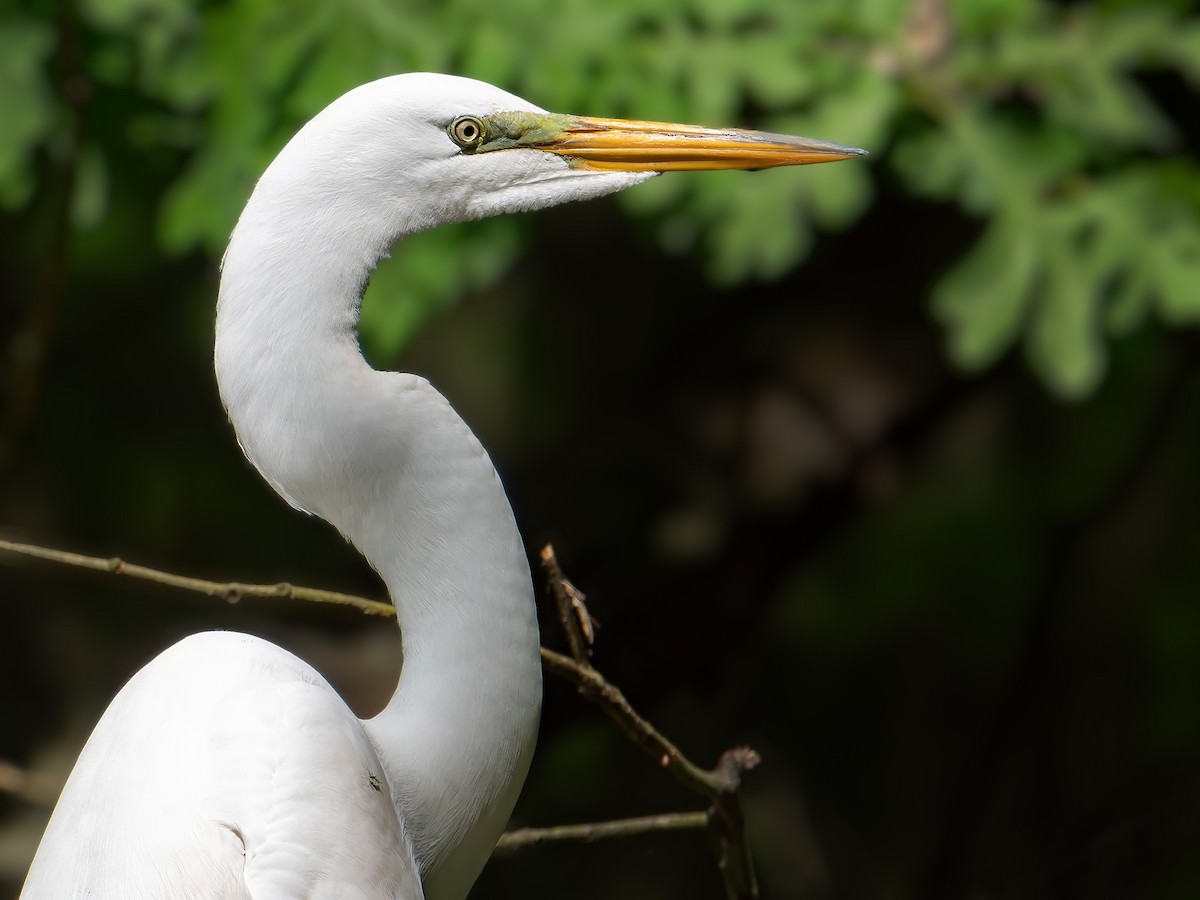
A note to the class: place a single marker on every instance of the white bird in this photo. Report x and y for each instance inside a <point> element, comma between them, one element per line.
<point>229,768</point>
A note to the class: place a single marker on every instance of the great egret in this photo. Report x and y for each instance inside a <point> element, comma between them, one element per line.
<point>229,768</point>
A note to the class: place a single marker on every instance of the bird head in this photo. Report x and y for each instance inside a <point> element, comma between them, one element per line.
<point>422,149</point>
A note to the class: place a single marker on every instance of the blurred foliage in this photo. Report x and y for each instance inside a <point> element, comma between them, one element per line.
<point>1031,116</point>
<point>957,616</point>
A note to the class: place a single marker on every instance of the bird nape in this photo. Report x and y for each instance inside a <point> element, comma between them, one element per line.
<point>229,768</point>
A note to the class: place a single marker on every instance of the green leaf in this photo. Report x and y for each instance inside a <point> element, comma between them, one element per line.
<point>1034,120</point>
<point>1064,340</point>
<point>426,272</point>
<point>89,202</point>
<point>28,105</point>
<point>760,230</point>
<point>983,301</point>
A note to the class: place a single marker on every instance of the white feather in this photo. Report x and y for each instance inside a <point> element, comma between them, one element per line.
<point>228,768</point>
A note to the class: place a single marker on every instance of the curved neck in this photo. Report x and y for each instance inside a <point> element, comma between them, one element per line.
<point>385,459</point>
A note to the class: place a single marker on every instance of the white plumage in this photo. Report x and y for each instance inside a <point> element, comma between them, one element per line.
<point>229,768</point>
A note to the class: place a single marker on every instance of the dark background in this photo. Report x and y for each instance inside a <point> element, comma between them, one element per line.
<point>955,612</point>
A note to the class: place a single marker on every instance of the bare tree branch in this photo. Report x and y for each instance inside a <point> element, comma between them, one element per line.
<point>229,591</point>
<point>528,838</point>
<point>719,785</point>
<point>573,614</point>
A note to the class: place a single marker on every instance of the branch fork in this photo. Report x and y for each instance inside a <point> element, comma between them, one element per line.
<point>720,785</point>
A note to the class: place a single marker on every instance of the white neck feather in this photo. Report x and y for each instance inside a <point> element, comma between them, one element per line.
<point>384,458</point>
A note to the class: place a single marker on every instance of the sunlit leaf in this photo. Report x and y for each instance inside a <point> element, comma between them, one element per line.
<point>1033,118</point>
<point>983,302</point>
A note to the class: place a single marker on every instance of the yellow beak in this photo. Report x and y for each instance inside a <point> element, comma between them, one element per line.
<point>633,146</point>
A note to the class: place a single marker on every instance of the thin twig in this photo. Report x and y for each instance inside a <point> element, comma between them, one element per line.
<point>611,700</point>
<point>573,614</point>
<point>529,838</point>
<point>720,785</point>
<point>41,790</point>
<point>229,591</point>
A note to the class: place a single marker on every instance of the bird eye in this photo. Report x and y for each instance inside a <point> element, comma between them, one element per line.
<point>467,132</point>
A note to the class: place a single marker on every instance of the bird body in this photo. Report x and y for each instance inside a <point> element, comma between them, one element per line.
<point>232,741</point>
<point>227,767</point>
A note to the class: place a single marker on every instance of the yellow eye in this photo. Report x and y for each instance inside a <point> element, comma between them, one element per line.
<point>467,132</point>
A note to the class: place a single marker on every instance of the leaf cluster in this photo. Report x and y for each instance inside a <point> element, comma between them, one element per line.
<point>1034,119</point>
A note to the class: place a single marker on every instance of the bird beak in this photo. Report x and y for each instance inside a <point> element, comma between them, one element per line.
<point>623,145</point>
